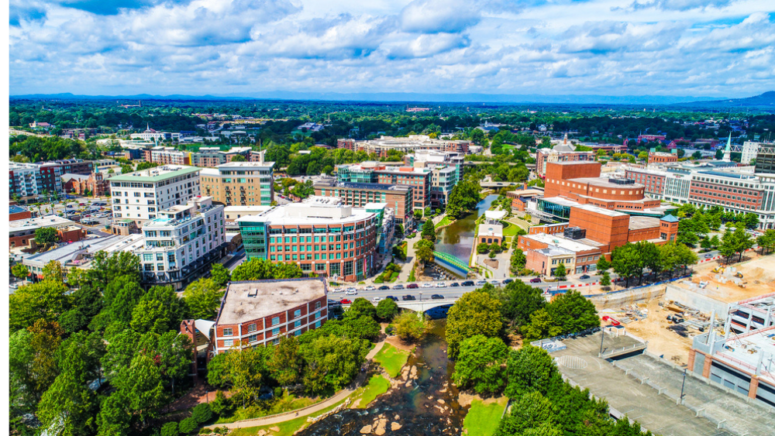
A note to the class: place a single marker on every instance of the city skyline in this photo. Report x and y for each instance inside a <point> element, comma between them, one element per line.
<point>714,48</point>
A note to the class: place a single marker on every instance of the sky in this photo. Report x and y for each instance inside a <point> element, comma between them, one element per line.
<point>712,48</point>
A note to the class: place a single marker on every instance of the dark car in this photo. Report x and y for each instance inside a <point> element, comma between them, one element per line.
<point>437,297</point>
<point>390,297</point>
<point>412,286</point>
<point>408,297</point>
<point>383,288</point>
<point>507,281</point>
<point>467,283</point>
<point>584,277</point>
<point>396,287</point>
<point>454,285</point>
<point>535,280</point>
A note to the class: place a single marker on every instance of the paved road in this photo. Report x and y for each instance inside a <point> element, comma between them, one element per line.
<point>235,261</point>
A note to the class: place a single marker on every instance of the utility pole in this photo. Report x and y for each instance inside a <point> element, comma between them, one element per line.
<point>683,383</point>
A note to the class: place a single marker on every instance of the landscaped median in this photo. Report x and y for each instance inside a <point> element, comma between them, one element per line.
<point>484,416</point>
<point>392,359</point>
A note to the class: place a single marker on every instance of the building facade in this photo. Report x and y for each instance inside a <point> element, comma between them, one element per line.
<point>397,197</point>
<point>79,184</point>
<point>167,156</point>
<point>141,195</point>
<point>240,183</point>
<point>662,158</point>
<point>419,179</point>
<point>382,146</point>
<point>322,235</point>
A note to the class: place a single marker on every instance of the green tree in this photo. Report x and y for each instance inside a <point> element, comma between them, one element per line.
<point>518,261</point>
<point>479,364</point>
<point>531,369</point>
<point>246,371</point>
<point>187,426</point>
<point>541,326</point>
<point>387,310</point>
<point>142,387</point>
<point>45,300</point>
<point>560,272</point>
<point>159,310</point>
<point>22,383</point>
<point>409,326</point>
<point>220,275</point>
<point>46,236</point>
<point>53,271</point>
<point>285,363</point>
<point>531,414</point>
<point>603,264</point>
<point>728,247</point>
<point>107,268</point>
<point>751,220</point>
<point>260,269</point>
<point>428,230</point>
<point>238,158</point>
<point>519,301</point>
<point>463,198</point>
<point>170,429</point>
<point>361,307</point>
<point>650,259</point>
<point>203,298</point>
<point>20,271</point>
<point>202,413</point>
<point>605,280</point>
<point>626,262</point>
<point>573,312</point>
<point>332,362</point>
<point>475,313</point>
<point>69,405</point>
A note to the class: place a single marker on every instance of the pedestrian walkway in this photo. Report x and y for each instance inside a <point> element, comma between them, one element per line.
<point>311,410</point>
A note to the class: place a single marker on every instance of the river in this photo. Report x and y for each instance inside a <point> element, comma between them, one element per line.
<point>457,239</point>
<point>416,408</point>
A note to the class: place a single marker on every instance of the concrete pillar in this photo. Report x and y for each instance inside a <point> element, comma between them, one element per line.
<point>692,355</point>
<point>706,367</point>
<point>754,387</point>
<point>748,322</point>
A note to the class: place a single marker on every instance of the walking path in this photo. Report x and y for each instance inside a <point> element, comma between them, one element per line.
<point>315,408</point>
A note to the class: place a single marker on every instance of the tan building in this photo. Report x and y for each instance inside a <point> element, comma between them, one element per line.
<point>239,183</point>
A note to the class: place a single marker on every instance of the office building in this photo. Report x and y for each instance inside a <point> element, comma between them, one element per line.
<point>167,156</point>
<point>397,197</point>
<point>765,159</point>
<point>211,157</point>
<point>141,195</point>
<point>419,179</point>
<point>322,235</point>
<point>240,183</point>
<point>562,152</point>
<point>182,242</point>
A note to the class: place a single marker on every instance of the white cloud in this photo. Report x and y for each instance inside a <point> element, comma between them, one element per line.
<point>433,16</point>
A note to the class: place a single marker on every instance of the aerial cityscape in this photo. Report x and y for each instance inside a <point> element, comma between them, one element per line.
<point>424,217</point>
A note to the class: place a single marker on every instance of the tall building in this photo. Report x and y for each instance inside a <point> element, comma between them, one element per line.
<point>750,151</point>
<point>182,242</point>
<point>765,160</point>
<point>419,179</point>
<point>141,195</point>
<point>240,183</point>
<point>397,197</point>
<point>25,182</point>
<point>321,235</point>
<point>563,152</point>
<point>211,157</point>
<point>167,156</point>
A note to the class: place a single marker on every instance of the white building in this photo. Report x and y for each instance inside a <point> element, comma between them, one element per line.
<point>152,135</point>
<point>182,242</point>
<point>25,180</point>
<point>141,195</point>
<point>750,151</point>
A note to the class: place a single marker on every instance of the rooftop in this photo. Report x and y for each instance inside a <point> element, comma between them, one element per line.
<point>36,223</point>
<point>230,165</point>
<point>314,210</point>
<point>245,301</point>
<point>561,242</point>
<point>600,210</point>
<point>16,209</point>
<point>360,185</point>
<point>80,252</point>
<point>604,182</point>
<point>643,222</point>
<point>754,350</point>
<point>156,174</point>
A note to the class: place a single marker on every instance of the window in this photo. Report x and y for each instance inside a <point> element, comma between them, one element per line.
<point>297,313</point>
<point>253,338</point>
<point>276,320</point>
<point>275,332</point>
<point>228,332</point>
<point>252,328</point>
<point>297,324</point>
<point>317,324</point>
<point>228,342</point>
<point>317,305</point>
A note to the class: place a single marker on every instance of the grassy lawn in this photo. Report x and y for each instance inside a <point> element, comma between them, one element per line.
<point>446,220</point>
<point>287,428</point>
<point>483,419</point>
<point>392,359</point>
<point>511,230</point>
<point>286,404</point>
<point>377,386</point>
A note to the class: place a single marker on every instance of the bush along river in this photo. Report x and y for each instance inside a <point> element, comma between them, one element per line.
<point>458,238</point>
<point>422,400</point>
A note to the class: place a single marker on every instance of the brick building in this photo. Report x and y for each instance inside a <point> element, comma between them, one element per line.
<point>419,179</point>
<point>397,197</point>
<point>410,144</point>
<point>258,313</point>
<point>167,156</point>
<point>563,152</point>
<point>79,184</point>
<point>662,158</point>
<point>22,232</point>
<point>240,183</point>
<point>18,213</point>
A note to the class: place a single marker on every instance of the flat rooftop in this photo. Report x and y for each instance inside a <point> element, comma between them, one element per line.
<point>36,223</point>
<point>108,244</point>
<point>553,241</point>
<point>603,182</point>
<point>314,210</point>
<point>245,301</point>
<point>751,349</point>
<point>643,222</point>
<point>244,165</point>
<point>361,185</point>
<point>156,174</point>
<point>600,210</point>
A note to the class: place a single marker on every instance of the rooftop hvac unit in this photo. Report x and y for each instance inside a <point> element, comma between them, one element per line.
<point>575,233</point>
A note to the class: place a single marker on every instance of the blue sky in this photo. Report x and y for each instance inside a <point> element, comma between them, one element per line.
<point>220,47</point>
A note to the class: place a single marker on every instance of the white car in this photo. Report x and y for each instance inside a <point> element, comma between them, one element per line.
<point>352,289</point>
<point>427,285</point>
<point>376,299</point>
<point>351,292</point>
<point>370,288</point>
<point>441,285</point>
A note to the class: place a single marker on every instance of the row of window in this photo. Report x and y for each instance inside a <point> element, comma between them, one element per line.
<point>276,321</point>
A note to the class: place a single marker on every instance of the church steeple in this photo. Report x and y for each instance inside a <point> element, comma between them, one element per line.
<point>728,150</point>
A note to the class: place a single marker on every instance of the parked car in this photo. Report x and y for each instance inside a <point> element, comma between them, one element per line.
<point>481,283</point>
<point>454,285</point>
<point>353,292</point>
<point>408,297</point>
<point>535,280</point>
<point>495,282</point>
<point>383,288</point>
<point>708,256</point>
<point>412,286</point>
<point>584,277</point>
<point>351,289</point>
<point>346,301</point>
<point>441,285</point>
<point>390,297</point>
<point>397,287</point>
<point>507,281</point>
<point>376,299</point>
<point>437,297</point>
<point>467,283</point>
<point>369,288</point>
<point>427,285</point>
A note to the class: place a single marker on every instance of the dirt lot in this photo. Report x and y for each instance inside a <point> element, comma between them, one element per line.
<point>661,340</point>
<point>758,274</point>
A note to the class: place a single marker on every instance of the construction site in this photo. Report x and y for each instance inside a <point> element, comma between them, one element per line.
<point>669,316</point>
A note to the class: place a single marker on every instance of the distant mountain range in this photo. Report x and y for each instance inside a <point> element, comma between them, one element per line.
<point>766,99</point>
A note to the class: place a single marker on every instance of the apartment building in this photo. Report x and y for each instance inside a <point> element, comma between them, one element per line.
<point>397,197</point>
<point>141,195</point>
<point>28,181</point>
<point>25,183</point>
<point>80,184</point>
<point>419,179</point>
<point>259,313</point>
<point>240,183</point>
<point>765,160</point>
<point>322,235</point>
<point>212,157</point>
<point>182,242</point>
<point>661,158</point>
<point>167,156</point>
<point>563,152</point>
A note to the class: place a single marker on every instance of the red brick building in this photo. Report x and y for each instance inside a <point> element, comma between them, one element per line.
<point>18,213</point>
<point>80,184</point>
<point>656,157</point>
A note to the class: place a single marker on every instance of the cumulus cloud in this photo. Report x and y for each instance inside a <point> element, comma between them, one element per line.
<point>675,5</point>
<point>429,45</point>
<point>434,16</point>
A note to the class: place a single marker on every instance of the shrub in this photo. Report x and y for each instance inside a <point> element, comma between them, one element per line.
<point>187,426</point>
<point>169,429</point>
<point>278,392</point>
<point>202,413</point>
<point>221,404</point>
<point>205,431</point>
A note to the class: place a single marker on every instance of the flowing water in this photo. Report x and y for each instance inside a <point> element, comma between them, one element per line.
<point>417,406</point>
<point>457,239</point>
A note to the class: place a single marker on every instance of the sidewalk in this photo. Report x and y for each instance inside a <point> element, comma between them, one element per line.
<point>311,410</point>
